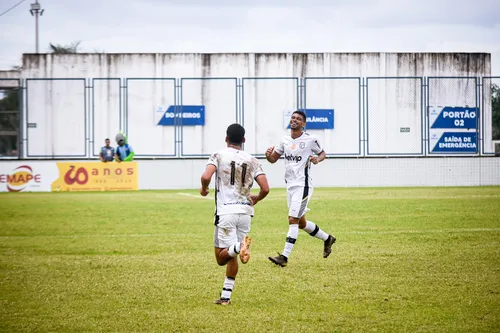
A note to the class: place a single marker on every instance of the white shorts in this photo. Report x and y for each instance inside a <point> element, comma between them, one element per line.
<point>231,229</point>
<point>298,198</point>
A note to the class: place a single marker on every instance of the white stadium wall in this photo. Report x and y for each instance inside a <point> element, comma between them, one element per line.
<point>379,100</point>
<point>342,172</point>
<point>366,107</point>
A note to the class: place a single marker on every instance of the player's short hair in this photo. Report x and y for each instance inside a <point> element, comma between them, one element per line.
<point>235,134</point>
<point>301,113</point>
<point>107,139</point>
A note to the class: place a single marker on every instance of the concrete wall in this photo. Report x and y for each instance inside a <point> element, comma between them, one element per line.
<point>9,79</point>
<point>73,102</point>
<point>255,65</point>
<point>342,172</point>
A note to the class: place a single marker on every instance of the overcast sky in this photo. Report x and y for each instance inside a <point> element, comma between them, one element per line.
<point>254,26</point>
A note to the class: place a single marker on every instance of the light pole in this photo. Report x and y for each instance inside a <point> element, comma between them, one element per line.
<point>36,9</point>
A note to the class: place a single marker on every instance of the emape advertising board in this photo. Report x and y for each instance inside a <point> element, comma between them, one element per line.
<point>27,176</point>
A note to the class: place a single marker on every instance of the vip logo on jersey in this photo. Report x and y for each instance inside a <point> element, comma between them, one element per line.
<point>293,158</point>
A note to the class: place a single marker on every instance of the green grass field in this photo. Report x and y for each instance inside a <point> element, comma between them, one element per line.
<point>406,260</point>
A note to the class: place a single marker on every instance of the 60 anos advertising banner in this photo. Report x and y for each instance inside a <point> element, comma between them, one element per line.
<point>96,176</point>
<point>68,176</point>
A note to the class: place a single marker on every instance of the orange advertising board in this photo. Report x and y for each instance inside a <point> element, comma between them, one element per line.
<point>96,176</point>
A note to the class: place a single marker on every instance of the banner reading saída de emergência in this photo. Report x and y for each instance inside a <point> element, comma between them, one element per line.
<point>463,123</point>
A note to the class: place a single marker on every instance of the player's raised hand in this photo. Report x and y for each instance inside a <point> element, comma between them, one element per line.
<point>204,191</point>
<point>269,151</point>
<point>314,159</point>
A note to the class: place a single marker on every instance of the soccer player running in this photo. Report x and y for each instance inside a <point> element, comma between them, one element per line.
<point>235,171</point>
<point>299,148</point>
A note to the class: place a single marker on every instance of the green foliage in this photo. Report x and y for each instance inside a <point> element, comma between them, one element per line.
<point>9,121</point>
<point>64,49</point>
<point>406,260</point>
<point>495,109</point>
<point>10,101</point>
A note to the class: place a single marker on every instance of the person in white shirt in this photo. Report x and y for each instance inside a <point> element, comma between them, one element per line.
<point>300,149</point>
<point>235,172</point>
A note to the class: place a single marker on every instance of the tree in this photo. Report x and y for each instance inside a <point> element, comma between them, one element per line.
<point>10,102</point>
<point>495,111</point>
<point>9,122</point>
<point>65,49</point>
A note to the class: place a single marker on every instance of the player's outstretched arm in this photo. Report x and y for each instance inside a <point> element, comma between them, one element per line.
<point>206,177</point>
<point>271,155</point>
<point>264,189</point>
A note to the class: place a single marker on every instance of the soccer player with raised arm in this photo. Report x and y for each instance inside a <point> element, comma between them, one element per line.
<point>235,172</point>
<point>300,149</point>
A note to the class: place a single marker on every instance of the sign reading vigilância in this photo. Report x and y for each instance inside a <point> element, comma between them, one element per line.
<point>315,118</point>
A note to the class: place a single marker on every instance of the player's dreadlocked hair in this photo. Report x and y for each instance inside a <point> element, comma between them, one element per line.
<point>235,134</point>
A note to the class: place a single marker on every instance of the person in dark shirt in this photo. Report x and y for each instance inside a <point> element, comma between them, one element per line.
<point>107,152</point>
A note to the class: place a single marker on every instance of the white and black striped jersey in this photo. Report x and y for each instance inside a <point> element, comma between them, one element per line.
<point>296,155</point>
<point>235,175</point>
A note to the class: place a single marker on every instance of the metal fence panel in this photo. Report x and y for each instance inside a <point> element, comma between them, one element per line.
<point>453,115</point>
<point>267,104</point>
<point>214,103</point>
<point>394,113</point>
<point>105,112</point>
<point>342,97</point>
<point>56,118</point>
<point>490,134</point>
<point>147,103</point>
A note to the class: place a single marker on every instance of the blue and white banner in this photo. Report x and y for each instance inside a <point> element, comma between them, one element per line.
<point>185,115</point>
<point>462,125</point>
<point>316,118</point>
<point>453,117</point>
<point>454,142</point>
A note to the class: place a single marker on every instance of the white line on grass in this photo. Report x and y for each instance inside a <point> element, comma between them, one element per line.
<point>423,231</point>
<point>194,196</point>
<point>457,230</point>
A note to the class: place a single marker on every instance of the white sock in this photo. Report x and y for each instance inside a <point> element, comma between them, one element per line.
<point>227,289</point>
<point>234,250</point>
<point>313,230</point>
<point>291,237</point>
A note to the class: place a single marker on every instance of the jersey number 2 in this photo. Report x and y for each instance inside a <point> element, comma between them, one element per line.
<point>243,172</point>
